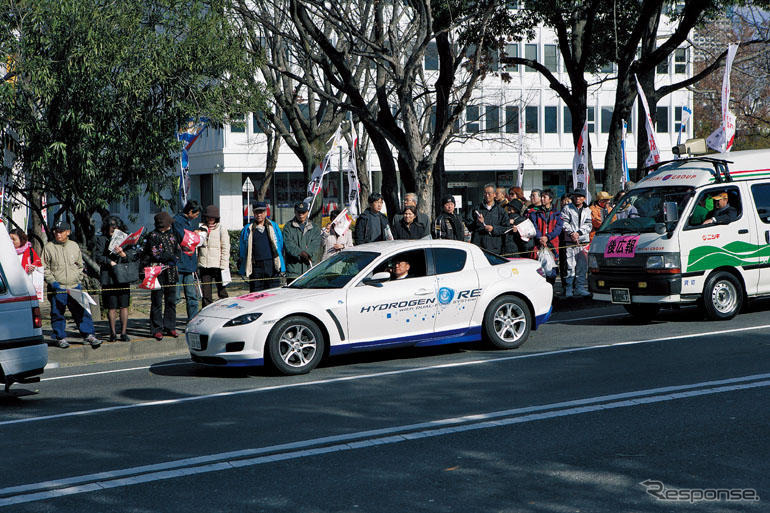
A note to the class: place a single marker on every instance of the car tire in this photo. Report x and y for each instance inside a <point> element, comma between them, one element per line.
<point>295,345</point>
<point>507,322</point>
<point>722,296</point>
<point>642,311</point>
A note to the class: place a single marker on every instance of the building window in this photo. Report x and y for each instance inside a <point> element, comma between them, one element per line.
<point>677,119</point>
<point>530,120</point>
<point>661,120</point>
<point>551,58</point>
<point>238,123</point>
<point>606,119</point>
<point>550,121</point>
<point>472,119</point>
<point>431,56</point>
<point>512,50</point>
<point>492,119</point>
<point>133,204</point>
<point>680,60</point>
<point>608,67</point>
<point>662,68</point>
<point>629,124</point>
<point>511,119</point>
<point>591,118</point>
<point>567,120</point>
<point>530,52</point>
<point>258,121</point>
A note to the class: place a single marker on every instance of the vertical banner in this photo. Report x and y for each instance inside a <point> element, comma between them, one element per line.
<point>316,180</point>
<point>654,155</point>
<point>2,193</point>
<point>580,163</point>
<point>624,156</point>
<point>354,187</point>
<point>722,138</point>
<point>520,175</point>
<point>188,136</point>
<point>686,113</point>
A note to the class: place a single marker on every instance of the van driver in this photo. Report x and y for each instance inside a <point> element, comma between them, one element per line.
<point>723,212</point>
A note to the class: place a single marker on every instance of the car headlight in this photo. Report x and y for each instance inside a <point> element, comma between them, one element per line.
<point>243,319</point>
<point>667,263</point>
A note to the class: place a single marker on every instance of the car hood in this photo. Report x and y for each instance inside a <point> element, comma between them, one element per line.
<point>257,301</point>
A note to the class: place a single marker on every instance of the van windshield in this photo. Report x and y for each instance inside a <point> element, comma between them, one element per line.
<point>640,209</point>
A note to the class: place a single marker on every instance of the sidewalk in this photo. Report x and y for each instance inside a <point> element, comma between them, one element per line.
<point>142,345</point>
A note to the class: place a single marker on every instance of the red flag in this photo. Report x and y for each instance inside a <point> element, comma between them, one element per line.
<point>133,238</point>
<point>190,242</point>
<point>150,281</point>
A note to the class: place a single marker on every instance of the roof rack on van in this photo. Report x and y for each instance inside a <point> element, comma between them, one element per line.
<point>721,172</point>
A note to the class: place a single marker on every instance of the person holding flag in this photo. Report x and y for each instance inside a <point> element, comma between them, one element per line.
<point>162,250</point>
<point>118,268</point>
<point>187,267</point>
<point>337,235</point>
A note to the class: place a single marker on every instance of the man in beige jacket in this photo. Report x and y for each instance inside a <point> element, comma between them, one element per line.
<point>214,256</point>
<point>64,270</point>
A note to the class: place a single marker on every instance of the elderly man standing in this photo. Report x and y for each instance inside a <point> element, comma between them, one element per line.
<point>63,263</point>
<point>488,222</point>
<point>261,250</point>
<point>576,219</point>
<point>301,242</point>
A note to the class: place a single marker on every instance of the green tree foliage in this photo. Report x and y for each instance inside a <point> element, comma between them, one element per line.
<point>96,91</point>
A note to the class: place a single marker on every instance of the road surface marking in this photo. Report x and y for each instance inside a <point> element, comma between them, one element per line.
<point>257,456</point>
<point>178,400</point>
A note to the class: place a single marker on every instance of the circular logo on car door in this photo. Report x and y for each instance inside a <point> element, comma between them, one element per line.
<point>445,295</point>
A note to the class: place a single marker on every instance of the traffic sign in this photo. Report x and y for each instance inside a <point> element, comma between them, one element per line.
<point>247,185</point>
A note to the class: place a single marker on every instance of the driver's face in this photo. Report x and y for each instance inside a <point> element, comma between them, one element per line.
<point>400,269</point>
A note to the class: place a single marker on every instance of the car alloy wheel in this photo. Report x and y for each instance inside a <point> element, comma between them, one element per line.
<point>507,322</point>
<point>295,345</point>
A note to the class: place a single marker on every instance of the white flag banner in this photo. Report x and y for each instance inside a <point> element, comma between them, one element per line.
<point>623,157</point>
<point>83,298</point>
<point>580,163</point>
<point>316,180</point>
<point>117,240</point>
<point>354,187</point>
<point>722,138</point>
<point>520,175</point>
<point>654,155</point>
<point>342,222</point>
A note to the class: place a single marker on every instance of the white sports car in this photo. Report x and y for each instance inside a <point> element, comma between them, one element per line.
<point>451,292</point>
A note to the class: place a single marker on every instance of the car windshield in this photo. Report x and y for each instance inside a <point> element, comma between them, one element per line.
<point>335,272</point>
<point>640,209</point>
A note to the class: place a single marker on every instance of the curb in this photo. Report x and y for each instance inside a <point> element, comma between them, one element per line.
<point>84,354</point>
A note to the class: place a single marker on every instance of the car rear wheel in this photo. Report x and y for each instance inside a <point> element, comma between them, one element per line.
<point>642,311</point>
<point>295,345</point>
<point>507,322</point>
<point>722,297</point>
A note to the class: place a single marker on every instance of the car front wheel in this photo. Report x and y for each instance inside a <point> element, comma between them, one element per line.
<point>295,345</point>
<point>507,322</point>
<point>722,296</point>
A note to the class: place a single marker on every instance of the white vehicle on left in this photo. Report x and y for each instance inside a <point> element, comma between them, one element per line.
<point>453,292</point>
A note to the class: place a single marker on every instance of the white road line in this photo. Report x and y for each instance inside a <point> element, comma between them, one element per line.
<point>398,434</point>
<point>111,371</point>
<point>162,402</point>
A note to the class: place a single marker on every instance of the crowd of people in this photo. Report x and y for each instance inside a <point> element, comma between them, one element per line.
<point>555,231</point>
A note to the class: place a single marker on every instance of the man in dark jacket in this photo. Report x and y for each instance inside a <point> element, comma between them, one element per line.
<point>187,219</point>
<point>301,242</point>
<point>372,225</point>
<point>723,212</point>
<point>488,222</point>
<point>448,225</point>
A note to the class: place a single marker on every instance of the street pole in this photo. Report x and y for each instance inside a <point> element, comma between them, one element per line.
<point>342,201</point>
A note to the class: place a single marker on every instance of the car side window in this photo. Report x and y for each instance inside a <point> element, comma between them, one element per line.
<point>705,206</point>
<point>761,194</point>
<point>449,260</point>
<point>416,259</point>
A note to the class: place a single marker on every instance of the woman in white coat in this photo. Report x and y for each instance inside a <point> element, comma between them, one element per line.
<point>214,256</point>
<point>332,241</point>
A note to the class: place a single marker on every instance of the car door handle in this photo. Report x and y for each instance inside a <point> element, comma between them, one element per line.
<point>743,231</point>
<point>423,292</point>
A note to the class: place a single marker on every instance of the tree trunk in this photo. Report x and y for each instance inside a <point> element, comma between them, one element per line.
<point>273,147</point>
<point>424,188</point>
<point>613,159</point>
<point>387,165</point>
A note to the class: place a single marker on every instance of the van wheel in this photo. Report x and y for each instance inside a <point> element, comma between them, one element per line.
<point>295,345</point>
<point>722,297</point>
<point>642,311</point>
<point>507,322</point>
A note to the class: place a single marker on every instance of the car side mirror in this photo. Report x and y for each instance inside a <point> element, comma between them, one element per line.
<point>670,212</point>
<point>377,279</point>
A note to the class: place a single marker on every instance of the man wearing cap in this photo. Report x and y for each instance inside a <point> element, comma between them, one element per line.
<point>161,248</point>
<point>576,220</point>
<point>260,252</point>
<point>187,219</point>
<point>63,263</point>
<point>448,225</point>
<point>599,211</point>
<point>372,225</point>
<point>723,212</point>
<point>301,242</point>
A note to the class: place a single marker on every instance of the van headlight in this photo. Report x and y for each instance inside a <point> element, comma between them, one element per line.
<point>666,263</point>
<point>593,263</point>
<point>243,319</point>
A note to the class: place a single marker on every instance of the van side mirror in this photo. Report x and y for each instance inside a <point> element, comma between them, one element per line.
<point>670,212</point>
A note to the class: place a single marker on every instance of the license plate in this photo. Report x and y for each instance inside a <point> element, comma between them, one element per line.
<point>621,296</point>
<point>194,341</point>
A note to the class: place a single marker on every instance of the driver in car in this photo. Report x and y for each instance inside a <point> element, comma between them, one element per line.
<point>400,269</point>
<point>723,212</point>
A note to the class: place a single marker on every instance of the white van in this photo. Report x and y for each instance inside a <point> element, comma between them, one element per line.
<point>676,239</point>
<point>23,354</point>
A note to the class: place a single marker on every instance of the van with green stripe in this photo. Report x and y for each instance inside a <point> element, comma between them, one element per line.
<point>694,231</point>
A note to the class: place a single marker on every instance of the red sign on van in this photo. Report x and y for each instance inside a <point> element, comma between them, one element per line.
<point>621,246</point>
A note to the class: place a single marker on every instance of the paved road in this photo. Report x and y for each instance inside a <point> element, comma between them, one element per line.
<point>593,405</point>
